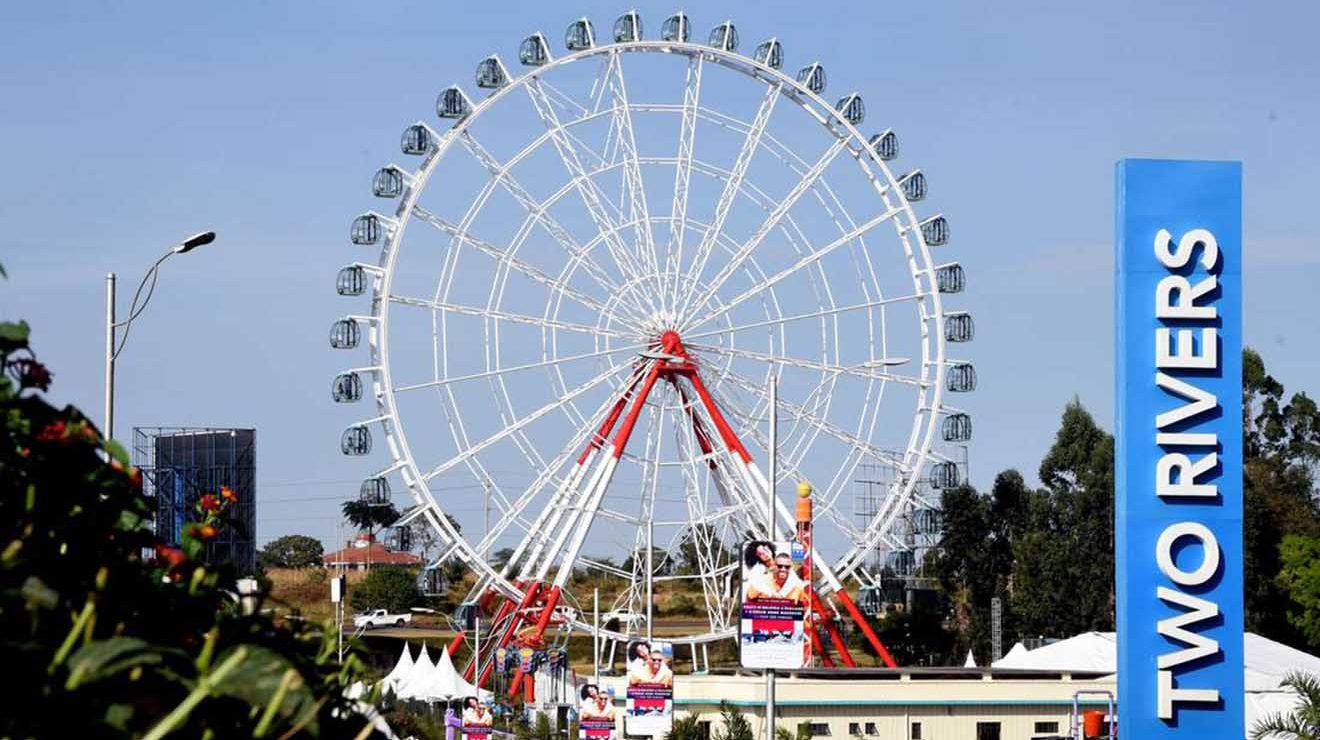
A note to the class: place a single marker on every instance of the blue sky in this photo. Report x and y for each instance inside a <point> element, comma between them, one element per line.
<point>125,126</point>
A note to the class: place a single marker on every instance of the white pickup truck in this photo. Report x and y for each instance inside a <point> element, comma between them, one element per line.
<point>380,618</point>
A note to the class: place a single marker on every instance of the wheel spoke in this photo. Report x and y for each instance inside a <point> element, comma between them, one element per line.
<point>687,133</point>
<point>516,318</point>
<point>805,184</point>
<point>521,266</point>
<point>805,261</point>
<point>731,188</point>
<point>810,315</point>
<point>635,187</point>
<point>586,187</point>
<point>524,421</point>
<point>863,370</point>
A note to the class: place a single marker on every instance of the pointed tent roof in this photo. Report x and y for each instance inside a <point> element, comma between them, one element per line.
<point>415,684</point>
<point>401,669</point>
<point>454,680</point>
<point>971,660</point>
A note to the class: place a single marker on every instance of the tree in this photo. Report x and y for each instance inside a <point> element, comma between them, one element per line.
<point>391,588</point>
<point>687,727</point>
<point>1299,578</point>
<point>1303,722</point>
<point>367,517</point>
<point>736,726</point>
<point>114,644</point>
<point>291,551</point>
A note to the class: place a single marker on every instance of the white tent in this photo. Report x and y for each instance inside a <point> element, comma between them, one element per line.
<point>420,681</point>
<point>971,660</point>
<point>453,681</point>
<point>402,668</point>
<point>1265,664</point>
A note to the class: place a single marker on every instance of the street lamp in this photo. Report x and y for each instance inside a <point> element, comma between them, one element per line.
<point>113,344</point>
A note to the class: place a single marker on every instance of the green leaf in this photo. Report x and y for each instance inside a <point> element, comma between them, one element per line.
<point>258,678</point>
<point>116,451</point>
<point>14,335</point>
<point>104,659</point>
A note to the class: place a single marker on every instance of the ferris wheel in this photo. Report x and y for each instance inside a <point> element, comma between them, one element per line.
<point>586,282</point>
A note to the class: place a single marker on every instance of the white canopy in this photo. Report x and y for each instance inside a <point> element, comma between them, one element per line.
<point>971,660</point>
<point>402,668</point>
<point>419,683</point>
<point>1265,664</point>
<point>433,682</point>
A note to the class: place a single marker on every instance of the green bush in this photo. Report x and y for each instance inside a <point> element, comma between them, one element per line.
<point>291,551</point>
<point>107,642</point>
<point>390,588</point>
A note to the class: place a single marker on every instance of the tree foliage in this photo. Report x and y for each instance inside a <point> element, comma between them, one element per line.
<point>109,643</point>
<point>367,517</point>
<point>1303,722</point>
<point>291,551</point>
<point>391,588</point>
<point>736,726</point>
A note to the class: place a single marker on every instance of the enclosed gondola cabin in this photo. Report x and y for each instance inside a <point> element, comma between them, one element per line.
<point>724,37</point>
<point>453,103</point>
<point>935,231</point>
<point>491,73</point>
<point>958,327</point>
<point>885,145</point>
<point>375,492</point>
<point>956,428</point>
<point>580,35</point>
<point>812,77</point>
<point>770,53</point>
<point>346,388</point>
<point>852,109</point>
<point>961,378</point>
<point>416,140</point>
<point>388,182</point>
<point>676,27</point>
<point>365,230</point>
<point>944,475</point>
<point>534,51</point>
<point>355,441</point>
<point>913,185</point>
<point>351,281</point>
<point>345,334</point>
<point>628,28</point>
<point>950,278</point>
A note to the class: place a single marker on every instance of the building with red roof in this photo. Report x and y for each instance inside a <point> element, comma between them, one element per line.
<point>365,552</point>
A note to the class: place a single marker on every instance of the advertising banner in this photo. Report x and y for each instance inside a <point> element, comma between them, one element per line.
<point>1178,449</point>
<point>650,698</point>
<point>478,719</point>
<point>774,601</point>
<point>597,716</point>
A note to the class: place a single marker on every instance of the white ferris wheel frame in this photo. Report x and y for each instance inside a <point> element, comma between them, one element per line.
<point>899,210</point>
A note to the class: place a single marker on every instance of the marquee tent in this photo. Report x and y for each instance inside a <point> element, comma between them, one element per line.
<point>394,679</point>
<point>1266,662</point>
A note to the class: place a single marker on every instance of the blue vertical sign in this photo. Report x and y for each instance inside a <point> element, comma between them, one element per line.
<point>1178,497</point>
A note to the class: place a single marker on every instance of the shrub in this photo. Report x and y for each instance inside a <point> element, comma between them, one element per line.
<point>110,643</point>
<point>390,588</point>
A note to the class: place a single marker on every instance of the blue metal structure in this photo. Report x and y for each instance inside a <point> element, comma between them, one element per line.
<point>1178,497</point>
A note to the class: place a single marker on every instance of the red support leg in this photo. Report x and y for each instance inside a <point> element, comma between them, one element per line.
<point>861,622</point>
<point>839,646</point>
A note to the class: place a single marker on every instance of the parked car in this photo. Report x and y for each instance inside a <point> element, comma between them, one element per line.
<point>380,618</point>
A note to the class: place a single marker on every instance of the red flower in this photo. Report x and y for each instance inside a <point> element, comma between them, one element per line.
<point>31,374</point>
<point>53,432</point>
<point>171,556</point>
<point>228,494</point>
<point>207,532</point>
<point>209,502</point>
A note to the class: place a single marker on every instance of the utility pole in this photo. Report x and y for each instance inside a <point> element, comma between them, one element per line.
<point>595,636</point>
<point>773,464</point>
<point>650,574</point>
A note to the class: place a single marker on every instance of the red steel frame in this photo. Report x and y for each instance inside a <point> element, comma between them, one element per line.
<point>671,362</point>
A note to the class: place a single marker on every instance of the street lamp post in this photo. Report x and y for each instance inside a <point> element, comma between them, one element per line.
<point>114,344</point>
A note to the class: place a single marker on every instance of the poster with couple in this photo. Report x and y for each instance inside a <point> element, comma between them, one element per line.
<point>478,719</point>
<point>650,698</point>
<point>597,716</point>
<point>776,593</point>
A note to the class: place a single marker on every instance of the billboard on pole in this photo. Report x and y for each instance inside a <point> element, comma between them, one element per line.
<point>650,697</point>
<point>774,602</point>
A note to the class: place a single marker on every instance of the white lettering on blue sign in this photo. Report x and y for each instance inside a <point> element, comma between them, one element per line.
<point>1176,473</point>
